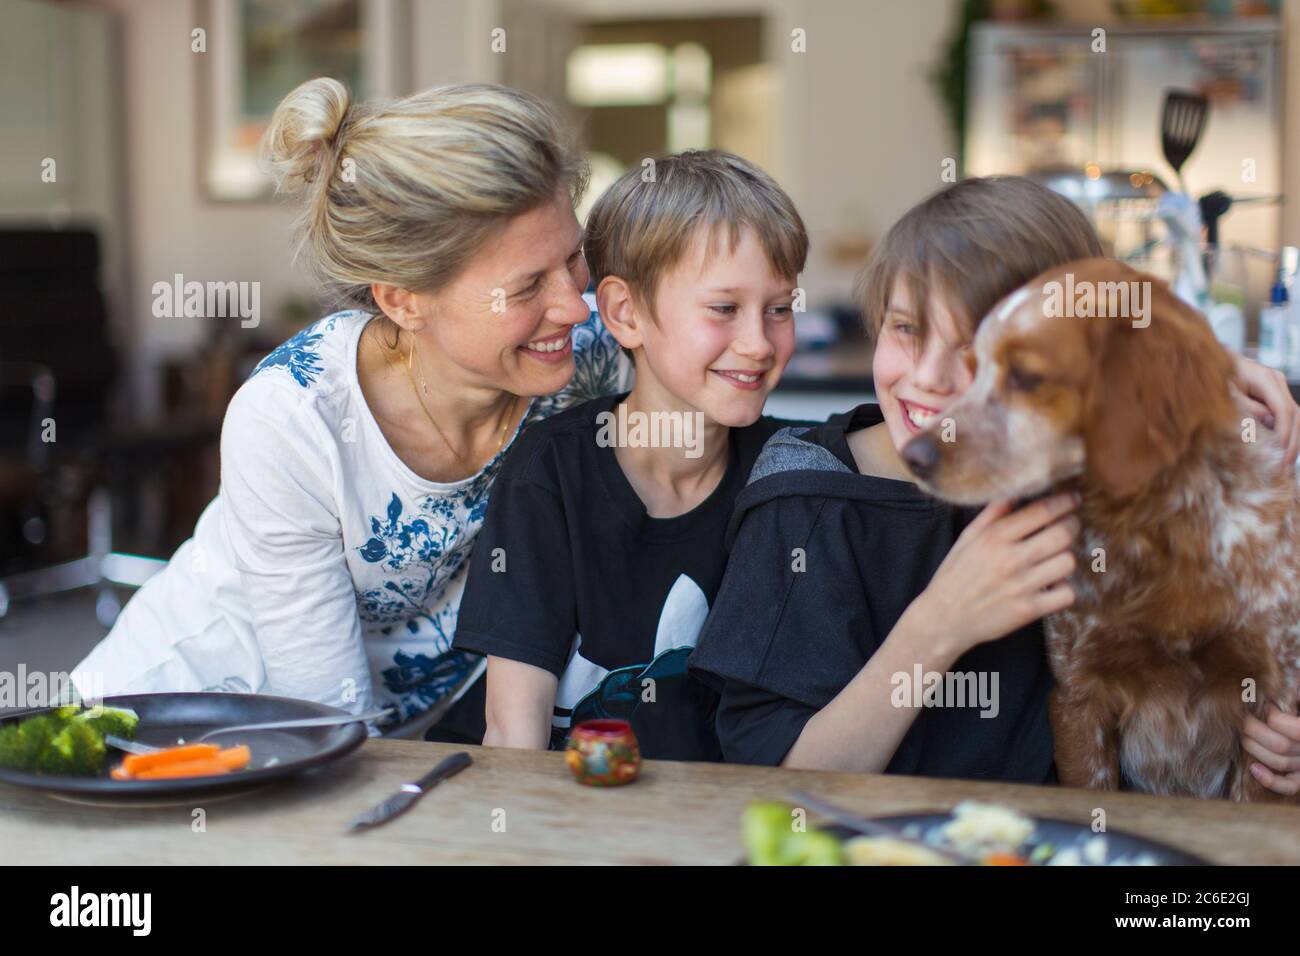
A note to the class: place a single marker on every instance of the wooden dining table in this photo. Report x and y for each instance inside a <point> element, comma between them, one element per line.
<point>524,807</point>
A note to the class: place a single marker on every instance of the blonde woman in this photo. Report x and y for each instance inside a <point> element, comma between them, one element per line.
<point>357,460</point>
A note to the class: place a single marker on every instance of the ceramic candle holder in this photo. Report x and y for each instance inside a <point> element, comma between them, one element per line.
<point>603,753</point>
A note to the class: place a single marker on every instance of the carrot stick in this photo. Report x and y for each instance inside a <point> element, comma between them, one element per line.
<point>135,763</point>
<point>224,761</point>
<point>235,758</point>
<point>1005,859</point>
<point>209,767</point>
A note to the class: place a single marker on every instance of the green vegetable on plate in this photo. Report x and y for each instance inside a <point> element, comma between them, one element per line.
<point>771,839</point>
<point>67,740</point>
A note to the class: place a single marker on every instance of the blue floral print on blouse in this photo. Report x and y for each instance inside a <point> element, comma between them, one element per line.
<point>422,549</point>
<point>298,355</point>
<point>421,681</point>
<point>595,375</point>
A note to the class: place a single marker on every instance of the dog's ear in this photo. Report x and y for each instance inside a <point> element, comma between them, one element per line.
<point>1151,390</point>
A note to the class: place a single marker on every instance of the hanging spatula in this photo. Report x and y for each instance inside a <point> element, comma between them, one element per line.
<point>1181,124</point>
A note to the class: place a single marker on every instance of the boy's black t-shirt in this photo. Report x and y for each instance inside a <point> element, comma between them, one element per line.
<point>824,560</point>
<point>570,574</point>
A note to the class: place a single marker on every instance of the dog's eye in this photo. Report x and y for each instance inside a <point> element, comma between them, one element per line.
<point>1019,380</point>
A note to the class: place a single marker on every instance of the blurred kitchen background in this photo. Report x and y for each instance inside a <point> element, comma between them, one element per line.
<point>128,133</point>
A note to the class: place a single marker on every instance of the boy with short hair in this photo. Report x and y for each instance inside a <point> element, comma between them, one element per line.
<point>602,548</point>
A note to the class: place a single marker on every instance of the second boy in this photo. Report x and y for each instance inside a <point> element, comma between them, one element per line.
<point>603,543</point>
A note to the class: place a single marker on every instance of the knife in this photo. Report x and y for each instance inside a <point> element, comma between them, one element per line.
<point>409,793</point>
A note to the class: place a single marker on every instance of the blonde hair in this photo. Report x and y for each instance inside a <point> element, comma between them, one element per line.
<point>639,229</point>
<point>975,242</point>
<point>405,193</point>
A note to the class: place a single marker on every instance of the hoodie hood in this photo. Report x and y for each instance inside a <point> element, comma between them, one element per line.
<point>794,463</point>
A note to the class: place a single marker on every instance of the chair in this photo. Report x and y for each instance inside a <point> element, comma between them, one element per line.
<point>55,345</point>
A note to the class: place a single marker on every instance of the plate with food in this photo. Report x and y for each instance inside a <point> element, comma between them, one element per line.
<point>973,834</point>
<point>71,749</point>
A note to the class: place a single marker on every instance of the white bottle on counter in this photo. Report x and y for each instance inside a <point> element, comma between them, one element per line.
<point>1274,328</point>
<point>1292,366</point>
<point>1289,262</point>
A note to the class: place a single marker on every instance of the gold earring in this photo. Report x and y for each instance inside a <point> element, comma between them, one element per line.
<point>424,386</point>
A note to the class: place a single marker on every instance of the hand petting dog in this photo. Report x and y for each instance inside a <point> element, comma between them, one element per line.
<point>1275,744</point>
<point>1263,393</point>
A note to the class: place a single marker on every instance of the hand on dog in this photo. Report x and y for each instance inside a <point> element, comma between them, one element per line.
<point>1275,744</point>
<point>1263,394</point>
<point>1006,569</point>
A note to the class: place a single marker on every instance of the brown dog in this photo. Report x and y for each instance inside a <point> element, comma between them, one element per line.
<point>1096,377</point>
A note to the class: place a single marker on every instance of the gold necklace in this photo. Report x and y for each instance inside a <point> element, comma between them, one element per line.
<point>505,423</point>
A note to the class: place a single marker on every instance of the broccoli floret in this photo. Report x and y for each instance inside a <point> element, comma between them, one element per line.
<point>64,740</point>
<point>55,760</point>
<point>765,827</point>
<point>22,744</point>
<point>772,840</point>
<point>11,754</point>
<point>77,749</point>
<point>113,720</point>
<point>65,713</point>
<point>34,736</point>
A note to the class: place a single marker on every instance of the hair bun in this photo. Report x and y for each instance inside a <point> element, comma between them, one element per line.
<point>302,133</point>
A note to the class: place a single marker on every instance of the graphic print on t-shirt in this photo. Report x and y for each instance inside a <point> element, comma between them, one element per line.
<point>599,593</point>
<point>588,691</point>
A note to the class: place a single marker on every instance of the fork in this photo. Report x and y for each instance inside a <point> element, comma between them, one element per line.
<point>135,747</point>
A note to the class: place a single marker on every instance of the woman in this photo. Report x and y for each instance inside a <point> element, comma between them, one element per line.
<point>357,459</point>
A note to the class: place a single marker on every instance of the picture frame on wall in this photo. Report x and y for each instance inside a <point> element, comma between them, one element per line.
<point>254,52</point>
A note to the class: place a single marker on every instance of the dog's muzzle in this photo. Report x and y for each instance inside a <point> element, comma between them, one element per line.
<point>921,455</point>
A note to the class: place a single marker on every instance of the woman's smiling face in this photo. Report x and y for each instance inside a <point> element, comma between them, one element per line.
<point>916,379</point>
<point>506,320</point>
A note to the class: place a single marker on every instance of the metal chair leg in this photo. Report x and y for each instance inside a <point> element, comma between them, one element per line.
<point>101,568</point>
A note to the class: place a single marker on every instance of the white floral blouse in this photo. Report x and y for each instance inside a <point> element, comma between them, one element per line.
<point>325,568</point>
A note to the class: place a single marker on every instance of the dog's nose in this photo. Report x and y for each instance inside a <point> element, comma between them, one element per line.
<point>922,455</point>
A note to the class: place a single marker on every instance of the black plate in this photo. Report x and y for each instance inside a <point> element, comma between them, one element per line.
<point>166,717</point>
<point>1059,833</point>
